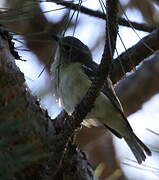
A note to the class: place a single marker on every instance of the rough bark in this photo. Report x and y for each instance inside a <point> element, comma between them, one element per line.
<point>16,103</point>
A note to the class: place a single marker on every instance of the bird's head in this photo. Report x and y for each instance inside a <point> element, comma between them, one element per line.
<point>72,50</point>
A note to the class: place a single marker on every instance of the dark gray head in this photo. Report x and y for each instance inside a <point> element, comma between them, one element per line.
<point>73,50</point>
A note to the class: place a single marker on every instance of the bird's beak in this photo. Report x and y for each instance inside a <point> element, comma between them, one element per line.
<point>55,37</point>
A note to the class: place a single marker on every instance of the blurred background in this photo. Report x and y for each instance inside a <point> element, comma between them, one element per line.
<point>31,22</point>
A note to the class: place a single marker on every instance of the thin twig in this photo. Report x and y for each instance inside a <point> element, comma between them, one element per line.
<point>121,21</point>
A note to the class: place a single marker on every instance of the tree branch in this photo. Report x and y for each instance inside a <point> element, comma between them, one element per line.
<point>90,12</point>
<point>133,56</point>
<point>139,87</point>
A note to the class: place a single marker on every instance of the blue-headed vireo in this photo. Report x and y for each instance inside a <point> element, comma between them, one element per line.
<point>72,72</point>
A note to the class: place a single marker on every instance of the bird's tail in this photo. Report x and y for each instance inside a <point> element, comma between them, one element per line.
<point>138,148</point>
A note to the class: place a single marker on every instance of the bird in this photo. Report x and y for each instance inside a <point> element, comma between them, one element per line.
<point>72,72</point>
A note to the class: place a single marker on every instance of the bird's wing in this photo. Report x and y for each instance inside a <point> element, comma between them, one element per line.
<point>90,69</point>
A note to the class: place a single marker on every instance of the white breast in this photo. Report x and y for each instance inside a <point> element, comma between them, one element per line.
<point>70,85</point>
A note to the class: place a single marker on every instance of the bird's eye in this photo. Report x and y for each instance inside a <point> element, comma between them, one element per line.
<point>66,47</point>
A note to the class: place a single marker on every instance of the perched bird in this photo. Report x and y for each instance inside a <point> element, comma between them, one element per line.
<point>72,72</point>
